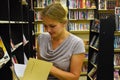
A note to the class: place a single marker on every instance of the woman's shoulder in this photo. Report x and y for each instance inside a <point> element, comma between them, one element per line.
<point>75,38</point>
<point>44,35</point>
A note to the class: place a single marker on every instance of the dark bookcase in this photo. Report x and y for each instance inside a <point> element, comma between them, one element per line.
<point>101,50</point>
<point>106,49</point>
<point>4,10</point>
<point>15,10</point>
<point>16,31</point>
<point>5,71</point>
<point>101,45</point>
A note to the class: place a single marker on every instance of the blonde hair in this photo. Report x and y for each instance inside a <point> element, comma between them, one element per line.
<point>55,11</point>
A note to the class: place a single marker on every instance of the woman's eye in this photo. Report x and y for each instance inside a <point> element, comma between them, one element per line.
<point>52,26</point>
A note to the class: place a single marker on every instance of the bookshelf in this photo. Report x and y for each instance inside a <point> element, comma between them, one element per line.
<point>99,34</point>
<point>4,33</point>
<point>106,49</point>
<point>106,8</point>
<point>21,30</point>
<point>16,27</point>
<point>101,50</point>
<point>81,13</point>
<point>116,45</point>
<point>100,68</point>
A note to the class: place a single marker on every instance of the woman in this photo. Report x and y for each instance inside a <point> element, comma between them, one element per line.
<point>63,49</point>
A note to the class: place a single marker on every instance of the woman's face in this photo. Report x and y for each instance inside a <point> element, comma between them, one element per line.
<point>53,27</point>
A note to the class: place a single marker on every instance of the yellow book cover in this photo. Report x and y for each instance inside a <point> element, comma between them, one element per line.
<point>4,57</point>
<point>37,70</point>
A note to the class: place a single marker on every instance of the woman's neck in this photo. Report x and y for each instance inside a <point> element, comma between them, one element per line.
<point>62,36</point>
<point>57,41</point>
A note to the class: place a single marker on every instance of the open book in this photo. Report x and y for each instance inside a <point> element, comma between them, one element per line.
<point>34,70</point>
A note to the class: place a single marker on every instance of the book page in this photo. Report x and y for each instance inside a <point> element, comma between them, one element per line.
<point>19,69</point>
<point>37,70</point>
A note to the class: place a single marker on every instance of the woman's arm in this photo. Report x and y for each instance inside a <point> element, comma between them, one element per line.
<point>38,51</point>
<point>75,69</point>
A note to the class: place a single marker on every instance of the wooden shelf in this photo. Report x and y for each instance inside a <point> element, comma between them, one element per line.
<point>38,21</point>
<point>83,74</point>
<point>116,67</point>
<point>81,20</point>
<point>117,32</point>
<point>82,8</point>
<point>116,50</point>
<point>106,11</point>
<point>80,32</point>
<point>38,8</point>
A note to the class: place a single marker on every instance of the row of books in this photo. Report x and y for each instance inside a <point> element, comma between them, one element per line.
<point>117,21</point>
<point>94,58</point>
<point>76,15</point>
<point>117,59</point>
<point>117,42</point>
<point>85,63</point>
<point>43,3</point>
<point>81,4</point>
<point>37,16</point>
<point>95,41</point>
<point>16,47</point>
<point>105,15</point>
<point>116,74</point>
<point>107,4</point>
<point>85,67</point>
<point>117,18</point>
<point>15,60</point>
<point>93,76</point>
<point>95,25</point>
<point>117,63</point>
<point>39,28</point>
<point>73,15</point>
<point>80,15</point>
<point>78,26</point>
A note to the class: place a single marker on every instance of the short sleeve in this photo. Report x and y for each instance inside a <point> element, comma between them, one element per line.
<point>43,37</point>
<point>39,39</point>
<point>79,47</point>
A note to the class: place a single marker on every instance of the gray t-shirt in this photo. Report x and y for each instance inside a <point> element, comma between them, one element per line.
<point>60,57</point>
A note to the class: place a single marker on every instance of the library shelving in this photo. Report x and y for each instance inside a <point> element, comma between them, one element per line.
<point>16,28</point>
<point>104,39</point>
<point>80,15</point>
<point>4,34</point>
<point>117,45</point>
<point>101,49</point>
<point>106,8</point>
<point>21,30</point>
